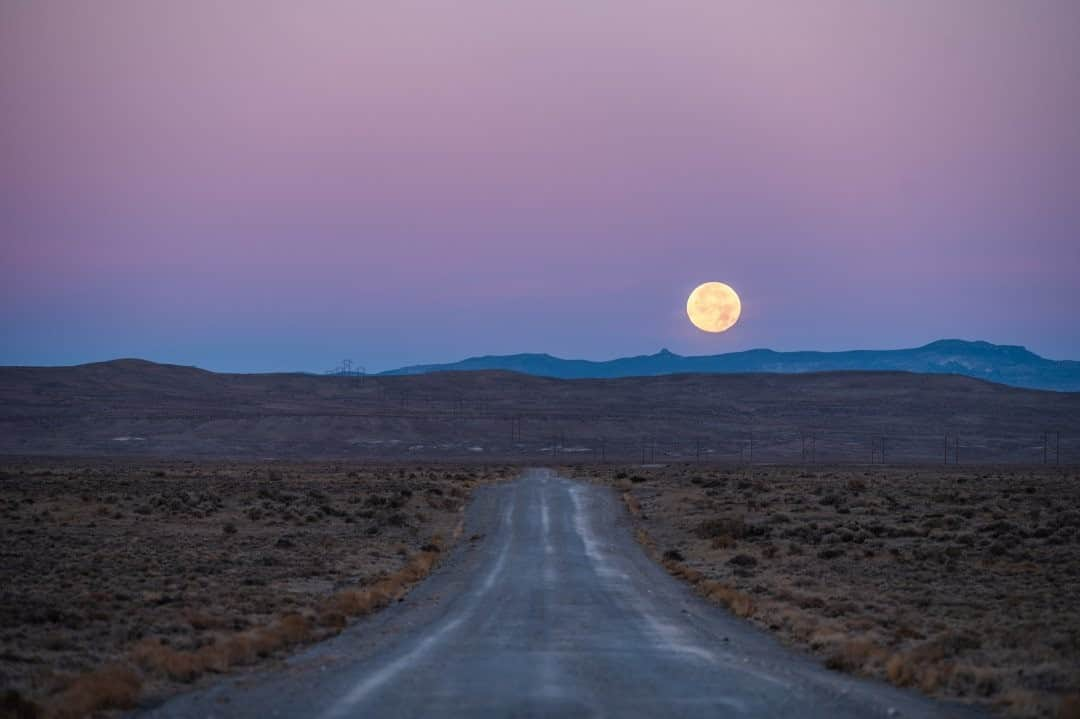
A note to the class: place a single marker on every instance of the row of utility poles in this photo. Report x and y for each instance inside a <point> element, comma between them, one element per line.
<point>1051,448</point>
<point>1051,441</point>
<point>348,368</point>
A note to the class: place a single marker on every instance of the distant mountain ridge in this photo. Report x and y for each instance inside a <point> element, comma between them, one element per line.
<point>1005,364</point>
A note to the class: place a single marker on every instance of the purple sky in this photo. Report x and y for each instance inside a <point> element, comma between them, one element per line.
<point>277,185</point>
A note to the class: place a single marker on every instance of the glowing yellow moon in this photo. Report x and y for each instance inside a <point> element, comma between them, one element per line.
<point>713,307</point>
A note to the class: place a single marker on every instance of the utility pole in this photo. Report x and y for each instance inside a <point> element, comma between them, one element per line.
<point>809,447</point>
<point>750,466</point>
<point>348,369</point>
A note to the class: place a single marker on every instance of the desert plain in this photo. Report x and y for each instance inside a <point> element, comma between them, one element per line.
<point>127,580</point>
<point>959,582</point>
<point>122,582</point>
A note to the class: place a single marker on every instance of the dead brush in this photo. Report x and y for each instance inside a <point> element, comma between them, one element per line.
<point>724,541</point>
<point>186,666</point>
<point>292,629</point>
<point>967,680</point>
<point>931,671</point>
<point>417,568</point>
<point>855,655</point>
<point>683,572</point>
<point>733,527</point>
<point>211,625</point>
<point>164,661</point>
<point>201,620</point>
<point>736,602</point>
<point>1069,707</point>
<point>111,687</point>
<point>913,666</point>
<point>229,652</point>
<point>359,602</point>
<point>644,539</point>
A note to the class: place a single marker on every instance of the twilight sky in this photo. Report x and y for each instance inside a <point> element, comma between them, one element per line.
<point>259,185</point>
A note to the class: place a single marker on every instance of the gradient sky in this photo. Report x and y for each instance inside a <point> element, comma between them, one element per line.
<point>276,185</point>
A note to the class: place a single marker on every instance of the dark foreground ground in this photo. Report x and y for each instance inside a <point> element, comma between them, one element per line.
<point>167,573</point>
<point>552,610</point>
<point>125,581</point>
<point>963,583</point>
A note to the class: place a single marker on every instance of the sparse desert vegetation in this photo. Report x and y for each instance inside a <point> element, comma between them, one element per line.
<point>131,408</point>
<point>960,582</point>
<point>123,580</point>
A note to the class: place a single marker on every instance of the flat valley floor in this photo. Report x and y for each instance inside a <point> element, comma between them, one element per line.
<point>145,584</point>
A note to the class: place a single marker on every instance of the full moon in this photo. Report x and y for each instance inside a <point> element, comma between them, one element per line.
<point>713,307</point>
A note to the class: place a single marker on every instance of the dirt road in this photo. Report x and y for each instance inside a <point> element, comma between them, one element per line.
<point>549,608</point>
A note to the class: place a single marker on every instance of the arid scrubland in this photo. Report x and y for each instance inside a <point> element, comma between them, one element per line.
<point>961,582</point>
<point>125,580</point>
<point>133,409</point>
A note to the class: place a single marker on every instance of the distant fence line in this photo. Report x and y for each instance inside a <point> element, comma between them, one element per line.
<point>568,436</point>
<point>507,417</point>
<point>810,448</point>
<point>536,437</point>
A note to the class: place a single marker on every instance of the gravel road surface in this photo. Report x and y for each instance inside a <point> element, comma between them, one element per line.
<point>549,608</point>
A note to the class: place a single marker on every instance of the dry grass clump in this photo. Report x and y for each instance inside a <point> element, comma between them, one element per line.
<point>956,582</point>
<point>359,602</point>
<point>715,527</point>
<point>738,603</point>
<point>853,655</point>
<point>179,665</point>
<point>111,687</point>
<point>930,666</point>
